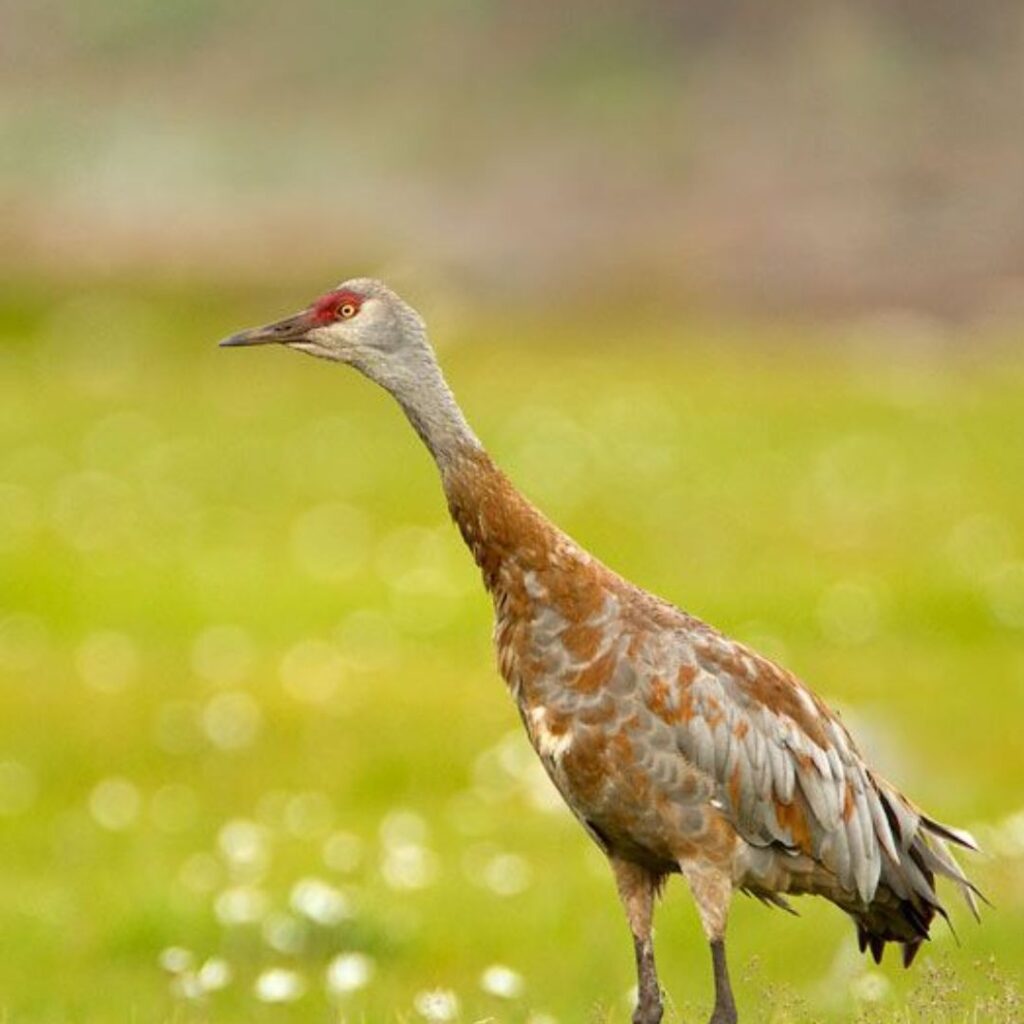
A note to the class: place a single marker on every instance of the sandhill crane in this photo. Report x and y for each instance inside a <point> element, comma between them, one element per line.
<point>678,749</point>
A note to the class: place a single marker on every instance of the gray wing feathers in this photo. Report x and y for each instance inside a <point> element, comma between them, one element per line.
<point>782,787</point>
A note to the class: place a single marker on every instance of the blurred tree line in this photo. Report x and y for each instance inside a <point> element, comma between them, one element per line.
<point>813,155</point>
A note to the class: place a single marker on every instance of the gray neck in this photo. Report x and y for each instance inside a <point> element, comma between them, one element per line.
<point>421,390</point>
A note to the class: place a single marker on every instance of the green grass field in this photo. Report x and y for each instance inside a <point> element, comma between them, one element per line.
<point>250,717</point>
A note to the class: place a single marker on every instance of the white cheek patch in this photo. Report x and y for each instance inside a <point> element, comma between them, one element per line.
<point>549,744</point>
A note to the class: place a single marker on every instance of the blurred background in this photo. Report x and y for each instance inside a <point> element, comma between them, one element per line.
<point>734,292</point>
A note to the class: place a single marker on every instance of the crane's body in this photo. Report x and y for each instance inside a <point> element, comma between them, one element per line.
<point>678,749</point>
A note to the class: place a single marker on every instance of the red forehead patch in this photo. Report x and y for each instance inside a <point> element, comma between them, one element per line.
<point>325,309</point>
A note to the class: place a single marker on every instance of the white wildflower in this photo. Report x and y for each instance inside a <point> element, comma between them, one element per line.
<point>348,972</point>
<point>242,904</point>
<point>215,974</point>
<point>502,982</point>
<point>279,985</point>
<point>175,959</point>
<point>320,902</point>
<point>439,1004</point>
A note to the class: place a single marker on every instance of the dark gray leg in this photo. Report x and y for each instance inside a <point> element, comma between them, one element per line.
<point>648,1000</point>
<point>725,1007</point>
<point>637,889</point>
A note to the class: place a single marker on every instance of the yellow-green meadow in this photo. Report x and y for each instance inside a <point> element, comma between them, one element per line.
<point>256,762</point>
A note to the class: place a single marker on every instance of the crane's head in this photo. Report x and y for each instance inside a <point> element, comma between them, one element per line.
<point>365,324</point>
<point>361,322</point>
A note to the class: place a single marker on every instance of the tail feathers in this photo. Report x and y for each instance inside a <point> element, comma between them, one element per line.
<point>938,859</point>
<point>905,903</point>
<point>877,944</point>
<point>773,899</point>
<point>910,951</point>
<point>960,836</point>
<point>900,922</point>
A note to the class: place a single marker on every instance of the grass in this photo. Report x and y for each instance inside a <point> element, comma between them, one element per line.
<point>240,647</point>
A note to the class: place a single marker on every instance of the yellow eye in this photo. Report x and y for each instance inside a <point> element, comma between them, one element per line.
<point>347,310</point>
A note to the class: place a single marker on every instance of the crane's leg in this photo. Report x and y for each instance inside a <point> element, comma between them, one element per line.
<point>712,891</point>
<point>638,888</point>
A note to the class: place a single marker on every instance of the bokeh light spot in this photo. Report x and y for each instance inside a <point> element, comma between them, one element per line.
<point>312,671</point>
<point>115,804</point>
<point>232,720</point>
<point>329,542</point>
<point>223,655</point>
<point>107,661</point>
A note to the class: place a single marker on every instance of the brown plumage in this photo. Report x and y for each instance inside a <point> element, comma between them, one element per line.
<point>677,749</point>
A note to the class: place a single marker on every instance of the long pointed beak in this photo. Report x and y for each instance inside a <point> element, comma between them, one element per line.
<point>292,328</point>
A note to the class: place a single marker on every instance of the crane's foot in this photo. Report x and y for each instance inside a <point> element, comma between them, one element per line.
<point>648,1009</point>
